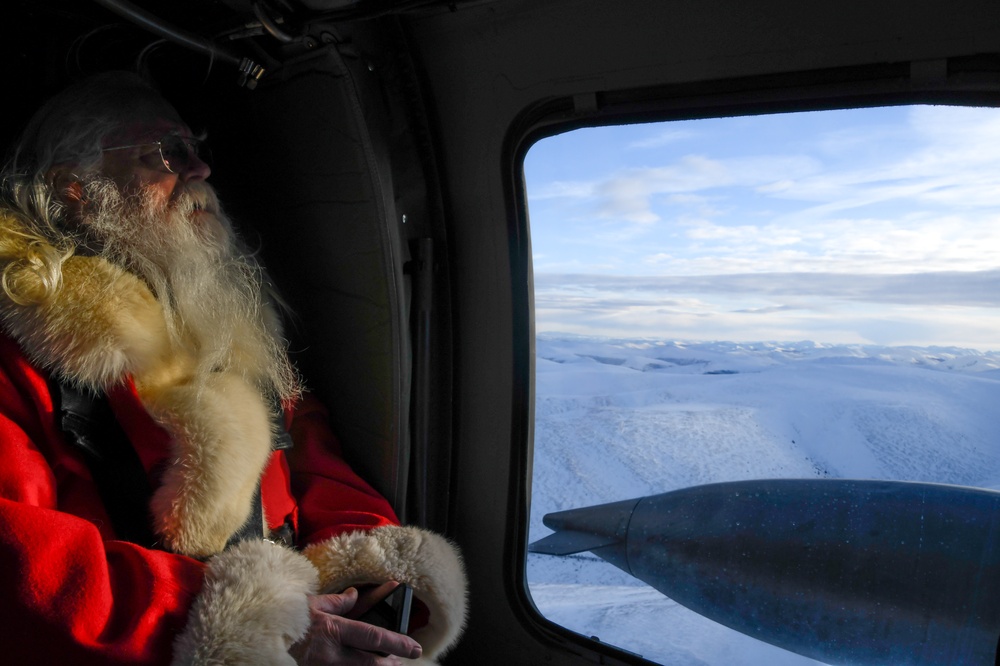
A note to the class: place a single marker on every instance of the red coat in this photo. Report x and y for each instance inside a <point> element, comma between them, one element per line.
<point>70,593</point>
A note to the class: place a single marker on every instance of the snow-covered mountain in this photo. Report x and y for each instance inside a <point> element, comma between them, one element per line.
<point>619,419</point>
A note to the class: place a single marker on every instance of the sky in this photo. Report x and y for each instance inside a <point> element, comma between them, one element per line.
<point>865,226</point>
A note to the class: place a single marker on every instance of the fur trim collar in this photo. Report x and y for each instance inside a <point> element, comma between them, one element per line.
<point>102,325</point>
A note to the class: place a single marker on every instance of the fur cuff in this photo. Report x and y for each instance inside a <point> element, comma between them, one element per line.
<point>425,561</point>
<point>252,608</point>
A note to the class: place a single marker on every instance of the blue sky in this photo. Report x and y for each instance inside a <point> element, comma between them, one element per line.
<point>872,226</point>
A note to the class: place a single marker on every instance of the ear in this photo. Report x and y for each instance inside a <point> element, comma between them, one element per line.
<point>66,188</point>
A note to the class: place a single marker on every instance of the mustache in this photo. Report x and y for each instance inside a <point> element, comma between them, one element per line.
<point>196,197</point>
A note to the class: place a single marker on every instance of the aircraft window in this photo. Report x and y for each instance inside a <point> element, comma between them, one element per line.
<point>805,296</point>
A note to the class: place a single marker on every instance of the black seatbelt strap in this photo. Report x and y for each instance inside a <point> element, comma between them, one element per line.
<point>118,473</point>
<point>114,465</point>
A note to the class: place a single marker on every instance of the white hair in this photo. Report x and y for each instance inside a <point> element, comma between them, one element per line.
<point>68,132</point>
<point>212,290</point>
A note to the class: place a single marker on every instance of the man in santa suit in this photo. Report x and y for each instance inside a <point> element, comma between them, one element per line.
<point>122,279</point>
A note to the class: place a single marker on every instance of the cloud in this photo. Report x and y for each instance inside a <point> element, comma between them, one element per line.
<point>922,310</point>
<point>957,289</point>
<point>944,155</point>
<point>770,235</point>
<point>562,190</point>
<point>628,194</point>
<point>911,242</point>
<point>947,156</point>
<point>662,139</point>
<point>770,310</point>
<point>776,187</point>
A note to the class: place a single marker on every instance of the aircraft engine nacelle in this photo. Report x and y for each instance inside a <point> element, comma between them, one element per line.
<point>846,572</point>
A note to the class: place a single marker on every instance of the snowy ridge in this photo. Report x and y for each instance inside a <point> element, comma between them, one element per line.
<point>617,419</point>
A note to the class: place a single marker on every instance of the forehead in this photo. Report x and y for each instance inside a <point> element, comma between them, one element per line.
<point>148,120</point>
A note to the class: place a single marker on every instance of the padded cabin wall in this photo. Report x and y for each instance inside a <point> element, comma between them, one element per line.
<point>393,91</point>
<point>308,169</point>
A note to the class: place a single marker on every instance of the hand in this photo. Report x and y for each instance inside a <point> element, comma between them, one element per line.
<point>334,640</point>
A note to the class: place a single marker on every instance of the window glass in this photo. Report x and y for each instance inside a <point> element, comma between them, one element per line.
<point>808,295</point>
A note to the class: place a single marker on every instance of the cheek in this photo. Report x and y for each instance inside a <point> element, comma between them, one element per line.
<point>132,179</point>
<point>158,192</point>
<point>162,191</point>
<point>119,166</point>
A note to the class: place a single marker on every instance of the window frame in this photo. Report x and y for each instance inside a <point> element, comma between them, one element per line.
<point>971,81</point>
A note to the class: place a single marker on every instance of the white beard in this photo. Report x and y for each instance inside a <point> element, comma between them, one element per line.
<point>209,288</point>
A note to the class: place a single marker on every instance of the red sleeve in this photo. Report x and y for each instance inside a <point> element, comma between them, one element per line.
<point>68,593</point>
<point>332,498</point>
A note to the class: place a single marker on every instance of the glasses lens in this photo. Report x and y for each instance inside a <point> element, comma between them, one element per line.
<point>177,152</point>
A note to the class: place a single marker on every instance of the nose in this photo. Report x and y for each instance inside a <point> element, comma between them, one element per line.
<point>194,169</point>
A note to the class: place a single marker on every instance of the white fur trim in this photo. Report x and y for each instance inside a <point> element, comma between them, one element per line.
<point>252,608</point>
<point>425,561</point>
<point>103,324</point>
<point>221,439</point>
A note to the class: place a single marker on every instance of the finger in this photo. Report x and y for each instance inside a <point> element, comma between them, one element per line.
<point>369,638</point>
<point>334,604</point>
<point>367,599</point>
<point>357,658</point>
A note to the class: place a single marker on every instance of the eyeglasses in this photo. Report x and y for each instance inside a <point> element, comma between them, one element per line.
<point>177,152</point>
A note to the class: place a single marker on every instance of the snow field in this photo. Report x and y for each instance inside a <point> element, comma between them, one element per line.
<point>619,419</point>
